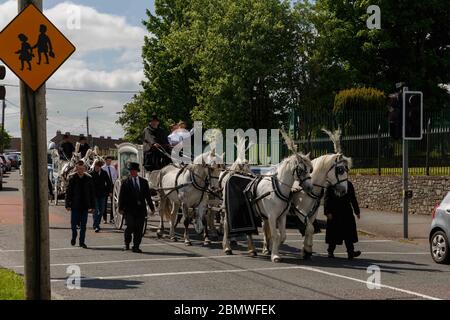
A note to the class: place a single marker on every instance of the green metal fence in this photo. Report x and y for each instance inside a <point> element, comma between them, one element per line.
<point>366,139</point>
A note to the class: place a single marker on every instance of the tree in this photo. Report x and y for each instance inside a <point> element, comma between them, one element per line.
<point>412,45</point>
<point>166,90</point>
<point>239,51</point>
<point>5,138</point>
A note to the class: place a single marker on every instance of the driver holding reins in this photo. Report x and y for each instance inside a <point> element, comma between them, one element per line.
<point>156,146</point>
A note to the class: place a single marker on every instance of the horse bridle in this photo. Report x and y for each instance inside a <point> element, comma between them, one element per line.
<point>301,172</point>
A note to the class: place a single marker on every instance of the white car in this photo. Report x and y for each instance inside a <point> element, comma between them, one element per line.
<point>440,232</point>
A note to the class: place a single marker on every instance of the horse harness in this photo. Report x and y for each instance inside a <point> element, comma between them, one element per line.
<point>339,170</point>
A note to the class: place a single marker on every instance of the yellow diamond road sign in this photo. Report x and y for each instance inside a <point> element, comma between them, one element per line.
<point>33,48</point>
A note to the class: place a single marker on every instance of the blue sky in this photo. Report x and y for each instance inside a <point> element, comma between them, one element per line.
<point>133,10</point>
<point>109,39</point>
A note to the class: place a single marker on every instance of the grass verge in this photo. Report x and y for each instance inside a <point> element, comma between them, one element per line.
<point>11,285</point>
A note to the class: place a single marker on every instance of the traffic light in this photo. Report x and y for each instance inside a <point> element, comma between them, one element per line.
<point>2,88</point>
<point>413,115</point>
<point>395,115</point>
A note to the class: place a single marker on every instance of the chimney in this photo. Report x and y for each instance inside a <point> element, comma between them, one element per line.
<point>102,137</point>
<point>58,132</point>
<point>68,133</point>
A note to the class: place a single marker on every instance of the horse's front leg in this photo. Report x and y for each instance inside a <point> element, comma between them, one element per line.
<point>173,217</point>
<point>187,220</point>
<point>308,241</point>
<point>226,241</point>
<point>282,228</point>
<point>275,256</point>
<point>267,237</point>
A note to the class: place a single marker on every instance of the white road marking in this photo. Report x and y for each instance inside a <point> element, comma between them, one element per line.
<point>181,242</point>
<point>202,257</point>
<point>134,260</point>
<point>165,274</point>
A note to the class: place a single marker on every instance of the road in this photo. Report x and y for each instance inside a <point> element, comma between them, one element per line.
<point>168,270</point>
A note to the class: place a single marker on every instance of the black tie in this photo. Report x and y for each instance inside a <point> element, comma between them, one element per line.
<point>136,186</point>
<point>109,170</point>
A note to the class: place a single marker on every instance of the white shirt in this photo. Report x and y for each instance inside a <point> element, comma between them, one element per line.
<point>114,176</point>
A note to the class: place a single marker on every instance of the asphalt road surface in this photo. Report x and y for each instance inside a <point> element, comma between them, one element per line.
<point>168,270</point>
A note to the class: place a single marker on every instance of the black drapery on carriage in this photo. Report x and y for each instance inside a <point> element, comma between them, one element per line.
<point>240,213</point>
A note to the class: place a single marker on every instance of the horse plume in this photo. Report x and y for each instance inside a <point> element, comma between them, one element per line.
<point>335,138</point>
<point>289,141</point>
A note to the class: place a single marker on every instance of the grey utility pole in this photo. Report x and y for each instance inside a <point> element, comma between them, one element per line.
<point>87,123</point>
<point>35,188</point>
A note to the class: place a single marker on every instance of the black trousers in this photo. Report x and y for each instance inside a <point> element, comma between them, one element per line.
<point>135,225</point>
<point>348,244</point>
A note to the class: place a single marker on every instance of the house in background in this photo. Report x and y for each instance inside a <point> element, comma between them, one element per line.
<point>15,145</point>
<point>106,146</point>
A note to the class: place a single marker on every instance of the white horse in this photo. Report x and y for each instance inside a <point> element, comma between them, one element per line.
<point>186,187</point>
<point>330,170</point>
<point>272,197</point>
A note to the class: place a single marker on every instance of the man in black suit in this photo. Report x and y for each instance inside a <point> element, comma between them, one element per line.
<point>134,193</point>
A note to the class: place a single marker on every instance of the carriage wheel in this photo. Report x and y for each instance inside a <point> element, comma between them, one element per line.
<point>118,217</point>
<point>144,229</point>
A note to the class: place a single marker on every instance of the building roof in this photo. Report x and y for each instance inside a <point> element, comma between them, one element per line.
<point>103,143</point>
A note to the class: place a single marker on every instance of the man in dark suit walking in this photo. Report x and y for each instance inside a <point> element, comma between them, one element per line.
<point>134,194</point>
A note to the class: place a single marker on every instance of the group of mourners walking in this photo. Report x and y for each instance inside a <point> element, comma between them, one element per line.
<point>88,193</point>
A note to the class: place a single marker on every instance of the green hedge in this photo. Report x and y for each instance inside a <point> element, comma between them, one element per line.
<point>354,99</point>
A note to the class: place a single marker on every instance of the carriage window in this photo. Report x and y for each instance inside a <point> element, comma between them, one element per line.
<point>125,158</point>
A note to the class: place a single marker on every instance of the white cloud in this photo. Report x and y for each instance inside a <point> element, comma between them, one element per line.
<point>108,57</point>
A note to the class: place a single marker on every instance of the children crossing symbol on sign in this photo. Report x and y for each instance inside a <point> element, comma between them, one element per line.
<point>44,45</point>
<point>33,48</point>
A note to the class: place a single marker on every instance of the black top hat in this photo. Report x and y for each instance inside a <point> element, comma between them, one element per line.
<point>133,166</point>
<point>154,117</point>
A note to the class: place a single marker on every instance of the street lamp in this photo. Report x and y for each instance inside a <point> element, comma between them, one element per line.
<point>87,120</point>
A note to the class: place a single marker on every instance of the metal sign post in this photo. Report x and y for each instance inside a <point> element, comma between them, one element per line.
<point>412,112</point>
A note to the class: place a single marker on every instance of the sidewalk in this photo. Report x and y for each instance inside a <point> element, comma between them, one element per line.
<point>390,225</point>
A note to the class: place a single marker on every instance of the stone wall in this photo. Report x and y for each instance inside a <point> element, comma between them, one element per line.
<point>384,193</point>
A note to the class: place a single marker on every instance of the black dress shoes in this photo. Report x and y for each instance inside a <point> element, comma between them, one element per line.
<point>137,250</point>
<point>83,245</point>
<point>353,254</point>
<point>126,248</point>
<point>73,242</point>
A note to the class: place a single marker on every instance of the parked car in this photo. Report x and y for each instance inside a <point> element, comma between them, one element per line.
<point>6,161</point>
<point>440,231</point>
<point>1,174</point>
<point>15,160</point>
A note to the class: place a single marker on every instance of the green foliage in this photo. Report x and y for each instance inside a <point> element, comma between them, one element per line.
<point>6,138</point>
<point>363,99</point>
<point>249,63</point>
